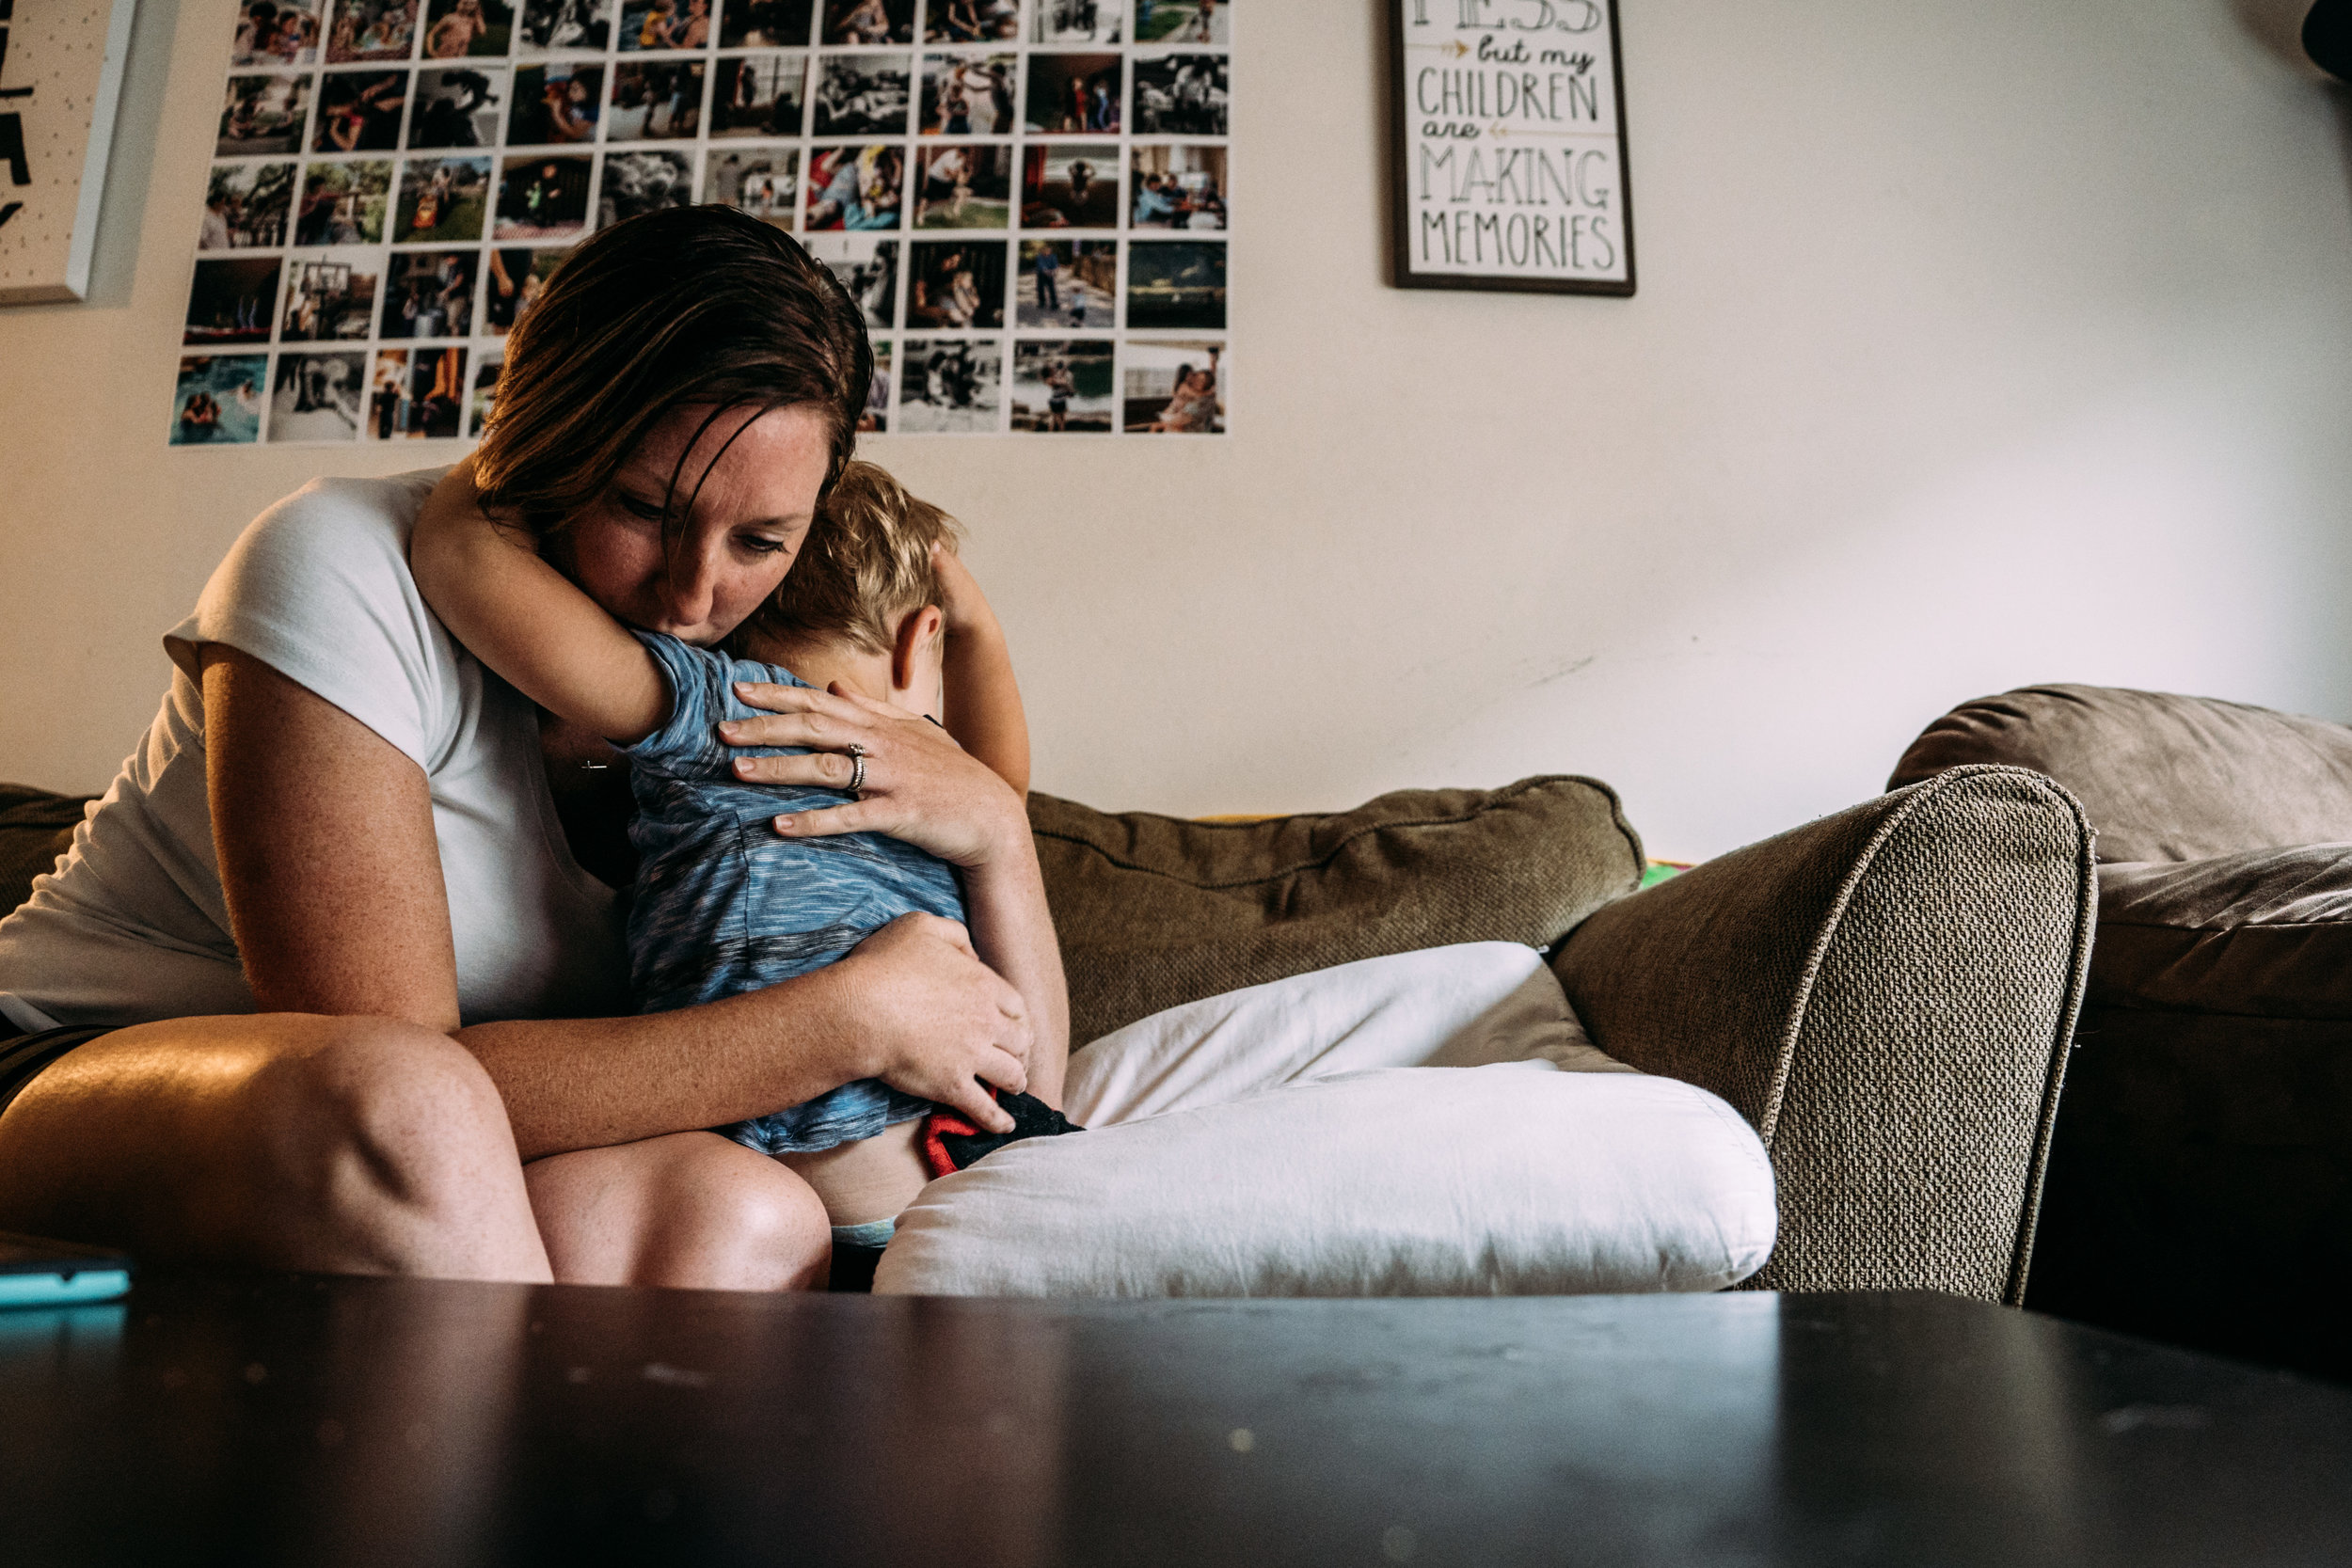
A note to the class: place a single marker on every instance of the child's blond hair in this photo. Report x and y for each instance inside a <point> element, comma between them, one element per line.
<point>866,564</point>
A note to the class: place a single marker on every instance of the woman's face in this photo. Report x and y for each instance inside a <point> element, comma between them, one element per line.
<point>697,577</point>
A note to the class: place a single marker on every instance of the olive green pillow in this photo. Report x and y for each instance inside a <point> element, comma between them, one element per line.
<point>36,826</point>
<point>1155,912</point>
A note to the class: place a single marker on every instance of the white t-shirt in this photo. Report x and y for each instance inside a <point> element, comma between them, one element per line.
<point>132,925</point>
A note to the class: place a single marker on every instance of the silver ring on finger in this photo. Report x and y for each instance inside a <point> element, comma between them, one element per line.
<point>857,769</point>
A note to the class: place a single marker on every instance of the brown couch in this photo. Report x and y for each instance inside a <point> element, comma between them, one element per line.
<point>2200,1186</point>
<point>1883,992</point>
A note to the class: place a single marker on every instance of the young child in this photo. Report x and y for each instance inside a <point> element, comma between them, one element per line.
<point>722,904</point>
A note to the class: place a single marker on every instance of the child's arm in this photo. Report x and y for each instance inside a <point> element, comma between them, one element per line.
<point>983,703</point>
<point>526,620</point>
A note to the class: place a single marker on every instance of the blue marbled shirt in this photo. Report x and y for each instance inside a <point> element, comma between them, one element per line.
<point>722,905</point>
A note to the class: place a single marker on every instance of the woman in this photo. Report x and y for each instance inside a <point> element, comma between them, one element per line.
<point>380,1037</point>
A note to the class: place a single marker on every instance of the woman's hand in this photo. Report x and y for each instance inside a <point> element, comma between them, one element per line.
<point>920,787</point>
<point>935,1020</point>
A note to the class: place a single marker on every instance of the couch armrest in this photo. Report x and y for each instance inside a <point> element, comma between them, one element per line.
<point>1887,994</point>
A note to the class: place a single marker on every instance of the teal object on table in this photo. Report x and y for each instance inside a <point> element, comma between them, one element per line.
<point>36,1272</point>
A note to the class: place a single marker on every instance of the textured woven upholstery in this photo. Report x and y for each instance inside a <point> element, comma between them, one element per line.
<point>1886,993</point>
<point>2199,1183</point>
<point>1155,912</point>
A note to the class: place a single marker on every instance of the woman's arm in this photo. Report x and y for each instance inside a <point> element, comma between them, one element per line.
<point>528,622</point>
<point>922,788</point>
<point>983,701</point>
<point>332,875</point>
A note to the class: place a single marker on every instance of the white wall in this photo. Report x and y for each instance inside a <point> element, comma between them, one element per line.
<point>1977,344</point>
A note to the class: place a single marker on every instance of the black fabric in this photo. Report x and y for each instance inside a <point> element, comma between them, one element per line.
<point>22,1058</point>
<point>1031,1118</point>
<point>853,1268</point>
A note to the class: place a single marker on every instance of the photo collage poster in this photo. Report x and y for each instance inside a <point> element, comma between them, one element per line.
<point>1026,197</point>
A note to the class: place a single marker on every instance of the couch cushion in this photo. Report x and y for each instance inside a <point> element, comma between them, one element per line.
<point>1400,1126</point>
<point>1155,912</point>
<point>2265,933</point>
<point>36,826</point>
<point>2162,777</point>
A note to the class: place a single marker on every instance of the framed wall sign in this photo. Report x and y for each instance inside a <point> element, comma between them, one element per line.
<point>60,75</point>
<point>1508,146</point>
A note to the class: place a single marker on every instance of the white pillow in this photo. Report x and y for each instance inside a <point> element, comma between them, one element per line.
<point>1511,1179</point>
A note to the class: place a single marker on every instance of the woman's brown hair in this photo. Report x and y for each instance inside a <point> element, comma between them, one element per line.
<point>690,306</point>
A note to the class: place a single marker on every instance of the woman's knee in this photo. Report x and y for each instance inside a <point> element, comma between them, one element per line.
<point>385,1125</point>
<point>284,1140</point>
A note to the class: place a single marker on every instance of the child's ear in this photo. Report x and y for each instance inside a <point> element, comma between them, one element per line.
<point>917,633</point>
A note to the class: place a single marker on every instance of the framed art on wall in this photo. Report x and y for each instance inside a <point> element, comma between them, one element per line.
<point>60,78</point>
<point>1507,147</point>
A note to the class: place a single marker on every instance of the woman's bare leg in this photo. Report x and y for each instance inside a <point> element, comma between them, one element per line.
<point>690,1209</point>
<point>288,1140</point>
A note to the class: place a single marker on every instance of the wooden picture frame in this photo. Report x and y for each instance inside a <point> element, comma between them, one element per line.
<point>1507,171</point>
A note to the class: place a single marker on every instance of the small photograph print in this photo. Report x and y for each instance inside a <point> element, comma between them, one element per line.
<point>949,385</point>
<point>318,396</point>
<point>264,115</point>
<point>1070,186</point>
<point>1064,386</point>
<point>1184,21</point>
<point>417,394</point>
<point>344,203</point>
<point>759,95</point>
<point>1174,389</point>
<point>655,101</point>
<point>545,26</point>
<point>484,403</point>
<point>1179,187</point>
<point>276,33</point>
<point>762,181</point>
<point>867,268</point>
<point>965,186</point>
<point>855,188</point>
<point>956,285</point>
<point>861,95</point>
<point>372,30</point>
<point>230,301</point>
<point>430,294</point>
<point>511,284</point>
<point>640,182</point>
<point>1072,283</point>
<point>971,20</point>
<point>218,400</point>
<point>1073,93</point>
<point>457,108</point>
<point>876,416</point>
<point>1080,21</point>
<point>654,24</point>
<point>454,29</point>
<point>441,200</point>
<point>247,207</point>
<point>330,296</point>
<point>968,94</point>
<point>556,104</point>
<point>1181,95</point>
<point>1175,284</point>
<point>542,199</point>
<point>359,111</point>
<point>766,23</point>
<point>857,21</point>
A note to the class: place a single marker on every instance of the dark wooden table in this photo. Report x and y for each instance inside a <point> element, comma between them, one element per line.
<point>349,1421</point>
